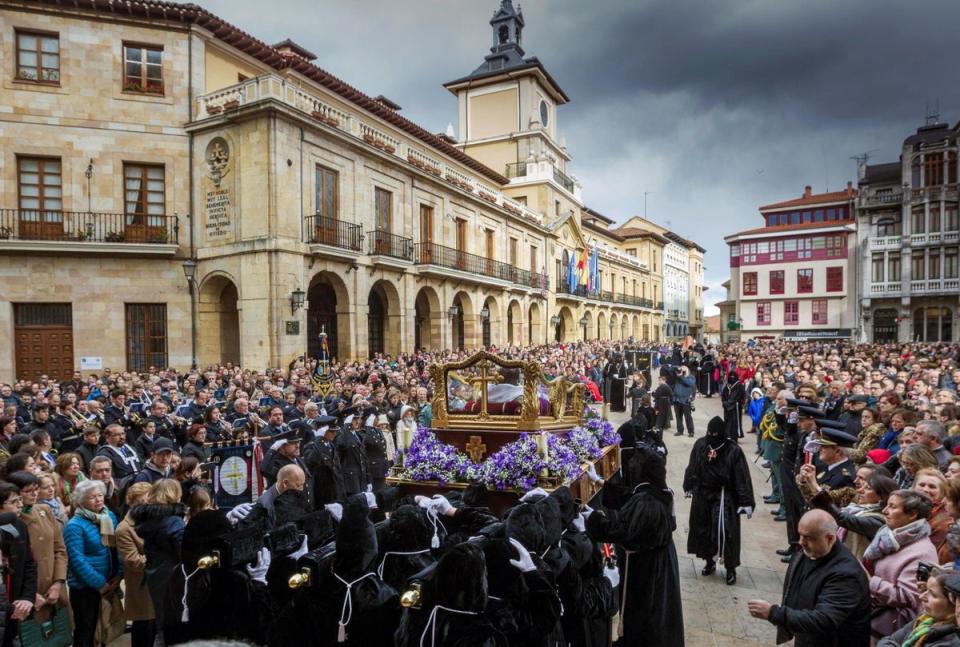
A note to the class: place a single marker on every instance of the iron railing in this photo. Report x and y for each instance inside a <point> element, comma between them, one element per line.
<point>516,169</point>
<point>383,243</point>
<point>528,279</point>
<point>321,230</point>
<point>562,179</point>
<point>85,226</point>
<point>454,259</point>
<point>561,287</point>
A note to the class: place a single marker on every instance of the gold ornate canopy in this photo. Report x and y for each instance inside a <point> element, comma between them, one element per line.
<point>527,399</point>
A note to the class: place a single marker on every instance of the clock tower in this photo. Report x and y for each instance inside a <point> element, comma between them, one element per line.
<point>507,108</point>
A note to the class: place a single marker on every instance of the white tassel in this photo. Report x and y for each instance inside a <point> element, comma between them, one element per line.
<point>342,633</point>
<point>435,542</point>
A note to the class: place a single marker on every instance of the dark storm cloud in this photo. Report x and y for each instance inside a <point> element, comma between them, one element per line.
<point>714,107</point>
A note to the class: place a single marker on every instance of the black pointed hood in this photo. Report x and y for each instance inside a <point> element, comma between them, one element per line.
<point>356,539</point>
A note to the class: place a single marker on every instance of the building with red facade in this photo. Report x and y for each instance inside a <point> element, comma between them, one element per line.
<point>796,276</point>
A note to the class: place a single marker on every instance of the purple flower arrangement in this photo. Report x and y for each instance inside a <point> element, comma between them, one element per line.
<point>515,466</point>
<point>585,444</point>
<point>428,459</point>
<point>608,435</point>
<point>561,459</point>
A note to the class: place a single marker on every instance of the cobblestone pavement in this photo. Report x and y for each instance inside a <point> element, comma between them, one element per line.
<point>715,614</point>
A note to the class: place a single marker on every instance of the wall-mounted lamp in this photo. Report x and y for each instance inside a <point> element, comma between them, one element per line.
<point>296,300</point>
<point>453,312</point>
<point>485,313</point>
<point>189,269</point>
<point>555,321</point>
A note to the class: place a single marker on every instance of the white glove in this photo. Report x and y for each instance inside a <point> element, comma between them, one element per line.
<point>586,512</point>
<point>300,552</point>
<point>335,510</point>
<point>371,500</point>
<point>612,574</point>
<point>747,510</point>
<point>238,513</point>
<point>535,493</point>
<point>688,495</point>
<point>525,563</point>
<point>424,501</point>
<point>441,505</point>
<point>580,523</point>
<point>592,474</point>
<point>277,445</point>
<point>258,572</point>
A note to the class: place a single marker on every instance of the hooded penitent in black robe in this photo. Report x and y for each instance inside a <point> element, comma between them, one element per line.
<point>732,396</point>
<point>404,541</point>
<point>705,382</point>
<point>317,614</point>
<point>651,613</point>
<point>719,479</point>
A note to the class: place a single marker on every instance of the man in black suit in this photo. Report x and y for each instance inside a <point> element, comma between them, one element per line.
<point>826,599</point>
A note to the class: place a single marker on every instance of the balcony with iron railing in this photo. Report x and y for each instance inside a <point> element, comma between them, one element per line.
<point>528,279</point>
<point>82,230</point>
<point>383,243</point>
<point>427,254</point>
<point>543,170</point>
<point>333,233</point>
<point>881,199</point>
<point>581,291</point>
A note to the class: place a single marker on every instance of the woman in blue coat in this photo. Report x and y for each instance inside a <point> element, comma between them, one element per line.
<point>93,568</point>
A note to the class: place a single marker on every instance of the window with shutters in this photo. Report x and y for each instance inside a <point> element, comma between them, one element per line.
<point>146,335</point>
<point>835,279</point>
<point>327,193</point>
<point>763,313</point>
<point>791,313</point>
<point>144,198</point>
<point>749,283</point>
<point>818,311</point>
<point>805,280</point>
<point>776,282</point>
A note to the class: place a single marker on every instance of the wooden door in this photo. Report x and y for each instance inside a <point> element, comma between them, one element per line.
<point>43,334</point>
<point>426,234</point>
<point>490,251</point>
<point>461,244</point>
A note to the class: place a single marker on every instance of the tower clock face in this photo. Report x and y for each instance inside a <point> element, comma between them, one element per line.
<point>544,113</point>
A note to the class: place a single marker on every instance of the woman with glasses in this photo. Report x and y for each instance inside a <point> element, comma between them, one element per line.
<point>936,625</point>
<point>46,544</point>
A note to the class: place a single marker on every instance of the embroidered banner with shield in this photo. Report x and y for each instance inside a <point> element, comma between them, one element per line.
<point>231,473</point>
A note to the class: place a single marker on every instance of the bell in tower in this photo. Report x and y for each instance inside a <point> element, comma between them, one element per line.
<point>507,24</point>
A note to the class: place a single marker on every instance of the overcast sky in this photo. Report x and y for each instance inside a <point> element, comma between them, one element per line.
<point>714,108</point>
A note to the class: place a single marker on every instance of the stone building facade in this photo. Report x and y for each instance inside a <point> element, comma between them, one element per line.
<point>909,232</point>
<point>177,192</point>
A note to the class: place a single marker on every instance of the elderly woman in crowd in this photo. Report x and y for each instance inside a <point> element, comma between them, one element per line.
<point>46,544</point>
<point>936,626</point>
<point>892,558</point>
<point>47,495</point>
<point>138,606</point>
<point>913,458</point>
<point>94,568</point>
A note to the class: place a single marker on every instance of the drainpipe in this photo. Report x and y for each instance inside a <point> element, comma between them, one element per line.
<point>190,183</point>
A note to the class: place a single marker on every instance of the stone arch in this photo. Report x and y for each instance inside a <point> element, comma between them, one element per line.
<point>428,319</point>
<point>636,327</point>
<point>514,325</point>
<point>614,326</point>
<point>535,324</point>
<point>602,330</point>
<point>588,329</point>
<point>567,328</point>
<point>490,323</point>
<point>218,320</point>
<point>383,318</point>
<point>329,311</point>
<point>463,323</point>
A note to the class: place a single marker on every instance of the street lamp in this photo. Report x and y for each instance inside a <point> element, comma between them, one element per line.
<point>190,271</point>
<point>485,313</point>
<point>296,300</point>
<point>453,311</point>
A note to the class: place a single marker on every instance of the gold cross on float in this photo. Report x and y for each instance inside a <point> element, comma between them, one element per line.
<point>476,449</point>
<point>486,377</point>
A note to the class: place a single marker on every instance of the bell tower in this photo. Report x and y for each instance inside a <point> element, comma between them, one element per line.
<point>507,107</point>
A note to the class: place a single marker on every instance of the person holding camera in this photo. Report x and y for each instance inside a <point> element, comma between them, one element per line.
<point>684,390</point>
<point>936,626</point>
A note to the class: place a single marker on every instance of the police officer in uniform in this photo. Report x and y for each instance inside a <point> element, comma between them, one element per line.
<point>832,470</point>
<point>323,461</point>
